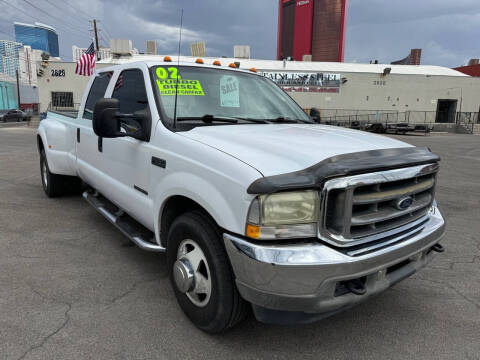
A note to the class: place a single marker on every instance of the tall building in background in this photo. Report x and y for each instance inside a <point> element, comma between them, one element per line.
<point>38,36</point>
<point>151,47</point>
<point>9,57</point>
<point>312,27</point>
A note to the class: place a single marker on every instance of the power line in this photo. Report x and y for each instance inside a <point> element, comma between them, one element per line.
<point>73,17</point>
<point>34,18</point>
<point>77,9</point>
<point>52,16</point>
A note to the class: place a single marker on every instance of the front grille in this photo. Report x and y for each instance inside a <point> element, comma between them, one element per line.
<point>375,206</point>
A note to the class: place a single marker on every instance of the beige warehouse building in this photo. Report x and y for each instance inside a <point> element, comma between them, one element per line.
<point>341,91</point>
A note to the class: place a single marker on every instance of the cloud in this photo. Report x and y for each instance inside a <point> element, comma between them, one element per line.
<point>386,30</point>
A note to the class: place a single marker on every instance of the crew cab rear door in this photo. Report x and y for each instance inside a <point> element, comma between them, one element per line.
<point>124,160</point>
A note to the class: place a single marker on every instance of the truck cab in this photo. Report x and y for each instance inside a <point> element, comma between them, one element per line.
<point>255,205</point>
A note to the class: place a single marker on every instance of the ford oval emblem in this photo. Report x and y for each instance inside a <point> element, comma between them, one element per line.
<point>404,203</point>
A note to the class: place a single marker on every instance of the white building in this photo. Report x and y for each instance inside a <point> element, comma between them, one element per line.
<point>27,65</point>
<point>9,57</point>
<point>77,52</point>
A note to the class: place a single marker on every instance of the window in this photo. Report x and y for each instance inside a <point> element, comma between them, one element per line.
<point>62,99</point>
<point>132,96</point>
<point>130,91</point>
<point>97,91</point>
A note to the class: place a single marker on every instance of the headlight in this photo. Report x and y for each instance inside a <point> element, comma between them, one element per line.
<point>286,215</point>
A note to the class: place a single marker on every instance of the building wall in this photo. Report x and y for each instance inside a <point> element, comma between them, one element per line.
<point>27,66</point>
<point>472,70</point>
<point>395,93</point>
<point>328,40</point>
<point>71,82</point>
<point>7,96</point>
<point>9,57</point>
<point>312,27</point>
<point>38,36</point>
<point>368,92</point>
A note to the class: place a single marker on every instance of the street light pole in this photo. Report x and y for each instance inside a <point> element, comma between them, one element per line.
<point>18,88</point>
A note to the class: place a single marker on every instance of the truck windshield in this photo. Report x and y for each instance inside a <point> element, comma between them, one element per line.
<point>216,95</point>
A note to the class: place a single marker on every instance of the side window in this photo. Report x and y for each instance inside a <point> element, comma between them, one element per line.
<point>132,96</point>
<point>97,91</point>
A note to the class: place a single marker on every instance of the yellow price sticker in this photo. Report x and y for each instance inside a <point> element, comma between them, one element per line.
<point>169,80</point>
<point>185,87</point>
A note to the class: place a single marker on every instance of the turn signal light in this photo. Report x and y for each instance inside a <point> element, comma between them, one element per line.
<point>167,59</point>
<point>232,65</point>
<point>217,63</point>
<point>253,231</point>
<point>253,70</point>
<point>199,61</point>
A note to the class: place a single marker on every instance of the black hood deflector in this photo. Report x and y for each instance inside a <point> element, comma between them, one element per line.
<point>344,165</point>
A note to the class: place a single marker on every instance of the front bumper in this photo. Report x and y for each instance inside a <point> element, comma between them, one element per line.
<point>297,283</point>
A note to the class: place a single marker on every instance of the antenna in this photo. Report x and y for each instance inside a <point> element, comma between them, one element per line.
<point>176,80</point>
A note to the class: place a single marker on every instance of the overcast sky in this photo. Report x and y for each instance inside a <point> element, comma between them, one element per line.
<point>446,30</point>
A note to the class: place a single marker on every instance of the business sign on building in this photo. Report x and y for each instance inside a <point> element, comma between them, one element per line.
<point>306,82</point>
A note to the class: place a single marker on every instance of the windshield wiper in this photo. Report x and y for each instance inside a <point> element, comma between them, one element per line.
<point>286,120</point>
<point>208,119</point>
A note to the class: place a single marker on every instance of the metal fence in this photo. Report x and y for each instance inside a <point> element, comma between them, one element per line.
<point>365,118</point>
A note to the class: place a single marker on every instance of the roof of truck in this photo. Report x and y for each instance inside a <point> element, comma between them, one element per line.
<point>297,66</point>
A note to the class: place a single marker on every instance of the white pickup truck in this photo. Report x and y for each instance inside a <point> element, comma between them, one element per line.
<point>253,202</point>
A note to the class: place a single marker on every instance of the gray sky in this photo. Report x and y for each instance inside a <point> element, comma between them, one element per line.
<point>386,30</point>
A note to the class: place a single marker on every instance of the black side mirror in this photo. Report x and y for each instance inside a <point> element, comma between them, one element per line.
<point>315,115</point>
<point>105,121</point>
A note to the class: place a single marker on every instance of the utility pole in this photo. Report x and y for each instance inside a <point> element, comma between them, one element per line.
<point>96,38</point>
<point>18,89</point>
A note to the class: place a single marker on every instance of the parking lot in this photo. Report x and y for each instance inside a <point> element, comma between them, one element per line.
<point>71,287</point>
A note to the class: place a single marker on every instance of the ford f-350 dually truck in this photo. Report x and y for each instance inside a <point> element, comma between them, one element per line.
<point>253,202</point>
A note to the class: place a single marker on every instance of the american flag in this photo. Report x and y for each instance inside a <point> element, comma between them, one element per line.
<point>86,63</point>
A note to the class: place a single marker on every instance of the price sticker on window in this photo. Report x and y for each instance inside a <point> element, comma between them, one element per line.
<point>229,92</point>
<point>168,81</point>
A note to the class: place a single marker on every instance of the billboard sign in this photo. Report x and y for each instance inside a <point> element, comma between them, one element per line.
<point>306,82</point>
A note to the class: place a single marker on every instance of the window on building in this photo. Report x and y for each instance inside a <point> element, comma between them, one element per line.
<point>132,95</point>
<point>62,99</point>
<point>97,91</point>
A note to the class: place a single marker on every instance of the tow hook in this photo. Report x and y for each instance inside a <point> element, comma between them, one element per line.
<point>356,286</point>
<point>438,248</point>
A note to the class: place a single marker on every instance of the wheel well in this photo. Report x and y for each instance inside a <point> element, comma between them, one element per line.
<point>173,208</point>
<point>40,143</point>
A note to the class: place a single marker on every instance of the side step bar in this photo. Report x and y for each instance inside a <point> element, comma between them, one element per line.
<point>118,220</point>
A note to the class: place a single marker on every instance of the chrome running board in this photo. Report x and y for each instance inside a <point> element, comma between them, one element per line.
<point>128,226</point>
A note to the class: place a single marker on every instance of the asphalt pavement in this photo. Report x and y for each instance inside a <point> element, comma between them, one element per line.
<point>71,287</point>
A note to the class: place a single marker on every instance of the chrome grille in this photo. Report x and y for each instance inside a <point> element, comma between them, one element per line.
<point>368,207</point>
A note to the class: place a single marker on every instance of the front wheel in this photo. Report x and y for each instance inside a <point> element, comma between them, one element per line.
<point>201,275</point>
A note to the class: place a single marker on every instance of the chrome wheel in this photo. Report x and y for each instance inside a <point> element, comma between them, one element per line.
<point>191,273</point>
<point>44,174</point>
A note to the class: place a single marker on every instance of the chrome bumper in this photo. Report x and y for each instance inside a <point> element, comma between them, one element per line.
<point>302,278</point>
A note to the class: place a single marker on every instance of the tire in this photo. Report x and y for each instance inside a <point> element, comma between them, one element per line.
<point>221,307</point>
<point>53,184</point>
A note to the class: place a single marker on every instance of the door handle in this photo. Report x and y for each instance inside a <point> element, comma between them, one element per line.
<point>78,135</point>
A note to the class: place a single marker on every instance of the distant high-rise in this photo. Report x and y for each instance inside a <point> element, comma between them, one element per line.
<point>103,52</point>
<point>198,49</point>
<point>151,47</point>
<point>312,27</point>
<point>9,57</point>
<point>38,36</point>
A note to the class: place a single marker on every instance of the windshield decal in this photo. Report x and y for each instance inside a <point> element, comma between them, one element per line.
<point>229,92</point>
<point>167,80</point>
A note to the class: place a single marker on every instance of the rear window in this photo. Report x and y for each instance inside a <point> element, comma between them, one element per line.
<point>97,91</point>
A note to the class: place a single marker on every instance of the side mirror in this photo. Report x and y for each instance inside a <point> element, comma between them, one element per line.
<point>105,121</point>
<point>315,115</point>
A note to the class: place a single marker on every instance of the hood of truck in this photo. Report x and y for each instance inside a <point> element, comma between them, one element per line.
<point>275,149</point>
